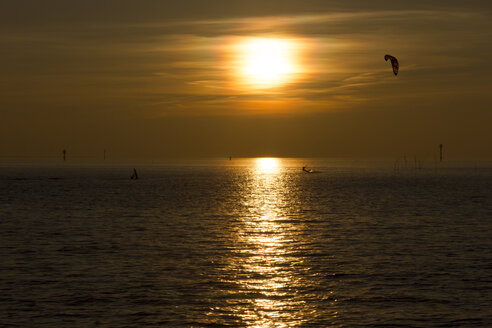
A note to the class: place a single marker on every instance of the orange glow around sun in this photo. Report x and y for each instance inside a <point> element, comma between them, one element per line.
<point>267,62</point>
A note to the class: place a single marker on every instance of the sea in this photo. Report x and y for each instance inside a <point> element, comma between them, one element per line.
<point>245,242</point>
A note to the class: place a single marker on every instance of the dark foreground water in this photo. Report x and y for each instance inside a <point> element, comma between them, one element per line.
<point>245,243</point>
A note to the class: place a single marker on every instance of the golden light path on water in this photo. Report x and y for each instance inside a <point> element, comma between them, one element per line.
<point>267,270</point>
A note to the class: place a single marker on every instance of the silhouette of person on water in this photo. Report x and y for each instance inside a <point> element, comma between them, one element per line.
<point>305,169</point>
<point>134,175</point>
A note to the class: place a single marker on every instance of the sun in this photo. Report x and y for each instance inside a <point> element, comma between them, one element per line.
<point>267,62</point>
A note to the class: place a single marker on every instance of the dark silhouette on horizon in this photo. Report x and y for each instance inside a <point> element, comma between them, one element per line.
<point>305,169</point>
<point>134,175</point>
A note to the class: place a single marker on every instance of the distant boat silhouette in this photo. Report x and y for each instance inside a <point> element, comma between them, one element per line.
<point>134,175</point>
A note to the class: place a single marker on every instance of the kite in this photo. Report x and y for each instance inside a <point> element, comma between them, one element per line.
<point>394,63</point>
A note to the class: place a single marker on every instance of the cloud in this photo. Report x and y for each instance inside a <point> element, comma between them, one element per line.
<point>162,75</point>
<point>185,64</point>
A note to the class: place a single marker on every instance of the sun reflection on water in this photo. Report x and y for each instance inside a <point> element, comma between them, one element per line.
<point>267,165</point>
<point>266,275</point>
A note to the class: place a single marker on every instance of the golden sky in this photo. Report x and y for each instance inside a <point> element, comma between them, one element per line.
<point>251,78</point>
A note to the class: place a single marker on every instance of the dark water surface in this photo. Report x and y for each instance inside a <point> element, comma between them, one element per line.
<point>245,243</point>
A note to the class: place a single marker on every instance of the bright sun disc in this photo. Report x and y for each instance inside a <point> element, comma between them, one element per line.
<point>267,62</point>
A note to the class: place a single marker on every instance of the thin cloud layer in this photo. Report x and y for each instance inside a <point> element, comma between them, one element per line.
<point>185,61</point>
<point>119,61</point>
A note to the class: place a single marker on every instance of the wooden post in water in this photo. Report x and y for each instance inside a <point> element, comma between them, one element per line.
<point>440,153</point>
<point>64,155</point>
